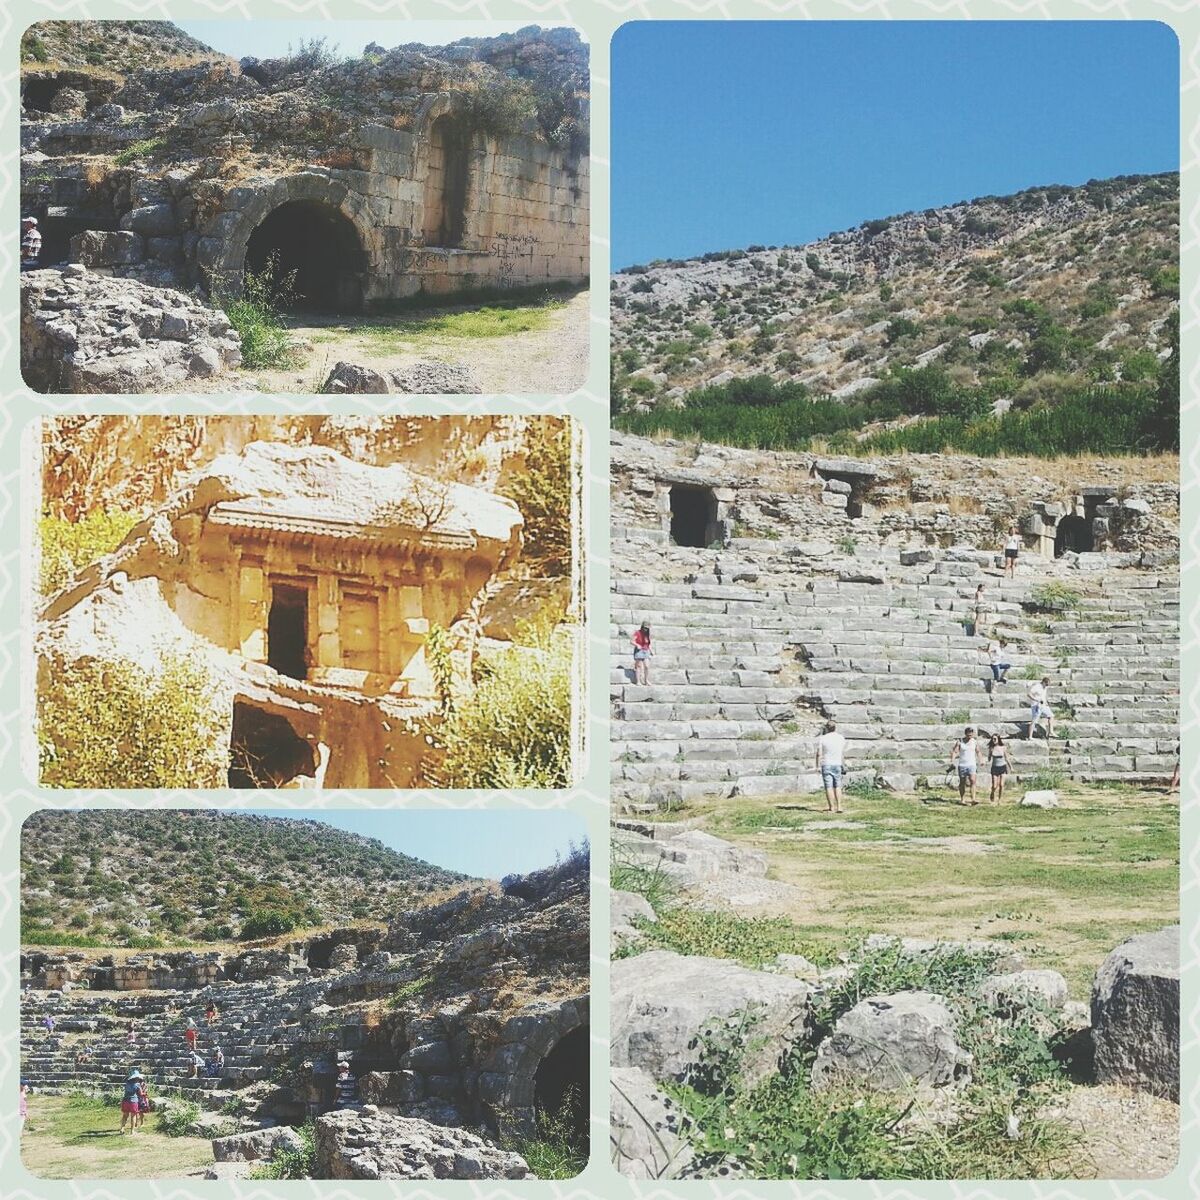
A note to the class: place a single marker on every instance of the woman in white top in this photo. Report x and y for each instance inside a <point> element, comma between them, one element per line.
<point>965,757</point>
<point>998,756</point>
<point>1011,548</point>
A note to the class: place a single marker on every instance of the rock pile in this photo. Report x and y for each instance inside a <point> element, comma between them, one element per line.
<point>86,332</point>
<point>427,378</point>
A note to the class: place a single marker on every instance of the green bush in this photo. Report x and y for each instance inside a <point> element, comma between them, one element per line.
<point>291,1164</point>
<point>178,1118</point>
<point>1054,596</point>
<point>257,315</point>
<point>146,148</point>
<point>553,1150</point>
<point>69,546</point>
<point>265,923</point>
<point>116,725</point>
<point>543,492</point>
<point>33,49</point>
<point>515,730</point>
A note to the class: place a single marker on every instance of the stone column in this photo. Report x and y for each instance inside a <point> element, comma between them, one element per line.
<point>252,609</point>
<point>328,598</point>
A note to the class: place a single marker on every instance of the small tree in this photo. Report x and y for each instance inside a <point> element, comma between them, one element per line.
<point>543,493</point>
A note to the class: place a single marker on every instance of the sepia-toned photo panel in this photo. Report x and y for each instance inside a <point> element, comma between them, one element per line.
<point>304,206</point>
<point>355,995</point>
<point>895,601</point>
<point>308,602</point>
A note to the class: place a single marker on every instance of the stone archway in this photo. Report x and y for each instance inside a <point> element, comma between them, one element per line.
<point>561,1084</point>
<point>314,224</point>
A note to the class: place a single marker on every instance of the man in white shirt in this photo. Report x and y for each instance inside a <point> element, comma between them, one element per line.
<point>1039,707</point>
<point>831,752</point>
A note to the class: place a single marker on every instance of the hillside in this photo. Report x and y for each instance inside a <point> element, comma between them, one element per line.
<point>115,45</point>
<point>1001,306</point>
<point>125,878</point>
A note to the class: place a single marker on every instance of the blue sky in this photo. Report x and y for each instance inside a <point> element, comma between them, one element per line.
<point>727,134</point>
<point>487,843</point>
<point>265,38</point>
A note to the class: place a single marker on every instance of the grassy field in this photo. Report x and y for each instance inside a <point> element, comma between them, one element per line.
<point>1063,886</point>
<point>73,1137</point>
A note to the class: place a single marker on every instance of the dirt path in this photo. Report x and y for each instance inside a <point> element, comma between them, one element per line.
<point>552,360</point>
<point>1124,1134</point>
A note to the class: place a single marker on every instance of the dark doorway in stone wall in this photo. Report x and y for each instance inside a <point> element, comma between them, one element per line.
<point>560,1086</point>
<point>1073,533</point>
<point>287,630</point>
<point>693,515</point>
<point>318,248</point>
<point>265,751</point>
<point>38,92</point>
<point>448,183</point>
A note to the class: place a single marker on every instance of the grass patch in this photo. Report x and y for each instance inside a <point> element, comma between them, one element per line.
<point>257,316</point>
<point>1054,596</point>
<point>487,322</point>
<point>554,1149</point>
<point>146,148</point>
<point>75,1137</point>
<point>178,1119</point>
<point>407,991</point>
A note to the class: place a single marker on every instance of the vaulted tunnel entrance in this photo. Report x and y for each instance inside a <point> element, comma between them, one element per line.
<point>311,256</point>
<point>560,1086</point>
<point>1073,533</point>
<point>265,751</point>
<point>693,515</point>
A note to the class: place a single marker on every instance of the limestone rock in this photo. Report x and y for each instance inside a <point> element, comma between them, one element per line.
<point>624,908</point>
<point>258,1145</point>
<point>421,378</point>
<point>644,1134</point>
<point>891,1042</point>
<point>86,332</point>
<point>664,1004</point>
<point>1015,989</point>
<point>1135,1014</point>
<point>1042,799</point>
<point>370,1144</point>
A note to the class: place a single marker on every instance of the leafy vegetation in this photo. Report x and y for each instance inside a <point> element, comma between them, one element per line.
<point>257,315</point>
<point>291,1164</point>
<point>69,546</point>
<point>103,726</point>
<point>515,730</point>
<point>146,148</point>
<point>553,1150</point>
<point>408,991</point>
<point>178,1118</point>
<point>543,492</point>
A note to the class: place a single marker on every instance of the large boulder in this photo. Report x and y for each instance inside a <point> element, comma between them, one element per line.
<point>258,1145</point>
<point>644,1133</point>
<point>664,1006</point>
<point>1135,1014</point>
<point>893,1042</point>
<point>83,332</point>
<point>369,1144</point>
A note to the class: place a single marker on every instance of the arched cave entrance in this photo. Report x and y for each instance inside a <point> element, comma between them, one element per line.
<point>1073,533</point>
<point>265,751</point>
<point>38,92</point>
<point>693,515</point>
<point>287,630</point>
<point>317,243</point>
<point>448,182</point>
<point>560,1085</point>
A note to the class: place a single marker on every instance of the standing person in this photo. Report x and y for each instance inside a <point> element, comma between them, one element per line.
<point>31,244</point>
<point>998,758</point>
<point>143,1103</point>
<point>129,1100</point>
<point>210,1013</point>
<point>641,655</point>
<point>831,755</point>
<point>131,1034</point>
<point>48,1024</point>
<point>997,655</point>
<point>1012,547</point>
<point>965,756</point>
<point>1039,707</point>
<point>189,1034</point>
<point>979,613</point>
<point>23,1104</point>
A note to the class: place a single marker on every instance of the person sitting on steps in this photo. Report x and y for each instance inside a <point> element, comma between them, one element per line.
<point>964,755</point>
<point>831,751</point>
<point>998,660</point>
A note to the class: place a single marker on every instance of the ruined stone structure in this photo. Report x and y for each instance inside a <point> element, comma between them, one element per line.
<point>310,584</point>
<point>427,1012</point>
<point>784,589</point>
<point>374,179</point>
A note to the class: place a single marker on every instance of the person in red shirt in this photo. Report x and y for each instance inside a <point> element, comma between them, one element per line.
<point>641,655</point>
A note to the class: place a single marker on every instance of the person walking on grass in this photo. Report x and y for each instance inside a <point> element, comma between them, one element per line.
<point>1012,547</point>
<point>129,1100</point>
<point>997,655</point>
<point>998,758</point>
<point>143,1103</point>
<point>965,757</point>
<point>642,650</point>
<point>23,1105</point>
<point>831,756</point>
<point>1039,707</point>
